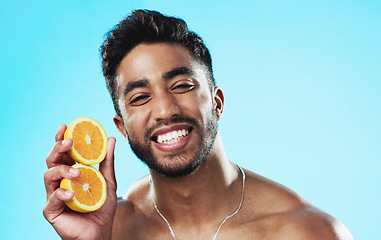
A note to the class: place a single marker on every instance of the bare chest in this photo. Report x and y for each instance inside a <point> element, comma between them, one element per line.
<point>253,230</point>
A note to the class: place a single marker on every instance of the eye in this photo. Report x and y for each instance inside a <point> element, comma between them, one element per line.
<point>139,99</point>
<point>183,87</point>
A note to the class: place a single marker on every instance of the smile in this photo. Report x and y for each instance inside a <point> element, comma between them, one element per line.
<point>172,137</point>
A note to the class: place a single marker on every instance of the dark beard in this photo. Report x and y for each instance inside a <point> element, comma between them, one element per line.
<point>207,138</point>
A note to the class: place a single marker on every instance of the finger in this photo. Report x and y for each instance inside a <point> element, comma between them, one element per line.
<point>106,167</point>
<point>54,175</point>
<point>58,155</point>
<point>56,203</point>
<point>60,132</point>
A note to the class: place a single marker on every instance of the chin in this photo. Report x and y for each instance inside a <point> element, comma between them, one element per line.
<point>176,166</point>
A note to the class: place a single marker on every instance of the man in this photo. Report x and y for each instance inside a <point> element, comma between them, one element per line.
<point>160,78</point>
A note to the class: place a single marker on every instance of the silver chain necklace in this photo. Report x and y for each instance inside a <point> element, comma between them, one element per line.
<point>226,218</point>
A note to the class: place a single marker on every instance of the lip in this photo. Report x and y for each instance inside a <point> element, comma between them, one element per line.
<point>173,146</point>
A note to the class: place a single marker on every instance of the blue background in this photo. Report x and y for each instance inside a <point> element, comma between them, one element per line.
<point>302,84</point>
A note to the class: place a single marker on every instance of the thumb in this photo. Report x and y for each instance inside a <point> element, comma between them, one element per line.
<point>106,167</point>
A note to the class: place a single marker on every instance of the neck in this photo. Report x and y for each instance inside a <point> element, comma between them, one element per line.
<point>189,200</point>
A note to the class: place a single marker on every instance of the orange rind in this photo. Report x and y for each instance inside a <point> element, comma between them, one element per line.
<point>90,141</point>
<point>90,189</point>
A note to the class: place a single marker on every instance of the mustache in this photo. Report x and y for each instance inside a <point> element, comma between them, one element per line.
<point>172,120</point>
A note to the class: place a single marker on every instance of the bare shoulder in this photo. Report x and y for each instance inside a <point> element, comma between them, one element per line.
<point>133,212</point>
<point>291,217</point>
<point>312,223</point>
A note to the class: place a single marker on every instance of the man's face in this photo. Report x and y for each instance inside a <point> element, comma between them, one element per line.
<point>169,112</point>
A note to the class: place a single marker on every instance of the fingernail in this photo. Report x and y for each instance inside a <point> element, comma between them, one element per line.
<point>74,171</point>
<point>64,141</point>
<point>68,193</point>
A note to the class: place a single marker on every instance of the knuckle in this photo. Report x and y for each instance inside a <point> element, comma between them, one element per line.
<point>55,173</point>
<point>45,211</point>
<point>46,174</point>
<point>52,152</point>
<point>55,155</point>
<point>48,158</point>
<point>49,173</point>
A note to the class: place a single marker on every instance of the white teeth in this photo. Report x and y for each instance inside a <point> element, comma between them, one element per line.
<point>172,137</point>
<point>174,134</point>
<point>168,136</point>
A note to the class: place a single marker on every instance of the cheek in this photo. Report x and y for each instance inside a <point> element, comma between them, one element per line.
<point>133,123</point>
<point>136,121</point>
<point>203,104</point>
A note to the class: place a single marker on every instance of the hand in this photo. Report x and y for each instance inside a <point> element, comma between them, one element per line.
<point>70,224</point>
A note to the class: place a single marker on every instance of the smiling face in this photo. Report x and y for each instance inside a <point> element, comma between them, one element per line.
<point>169,112</point>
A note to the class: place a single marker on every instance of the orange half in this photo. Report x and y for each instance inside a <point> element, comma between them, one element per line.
<point>89,141</point>
<point>89,189</point>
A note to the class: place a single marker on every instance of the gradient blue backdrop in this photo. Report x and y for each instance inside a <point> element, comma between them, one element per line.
<point>302,83</point>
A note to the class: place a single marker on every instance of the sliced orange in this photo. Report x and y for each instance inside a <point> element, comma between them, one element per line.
<point>89,189</point>
<point>89,141</point>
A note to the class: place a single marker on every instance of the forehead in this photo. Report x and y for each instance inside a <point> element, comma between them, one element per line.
<point>150,61</point>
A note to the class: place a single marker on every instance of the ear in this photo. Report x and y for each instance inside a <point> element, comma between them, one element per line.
<point>120,126</point>
<point>219,101</point>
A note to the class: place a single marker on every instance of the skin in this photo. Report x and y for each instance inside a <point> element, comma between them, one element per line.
<point>195,204</point>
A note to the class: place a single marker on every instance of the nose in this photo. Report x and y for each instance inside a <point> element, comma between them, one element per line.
<point>165,106</point>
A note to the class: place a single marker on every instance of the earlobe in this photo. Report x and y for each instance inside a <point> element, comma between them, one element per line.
<point>118,121</point>
<point>219,101</point>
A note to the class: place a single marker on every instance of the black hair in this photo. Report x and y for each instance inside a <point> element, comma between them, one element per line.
<point>145,26</point>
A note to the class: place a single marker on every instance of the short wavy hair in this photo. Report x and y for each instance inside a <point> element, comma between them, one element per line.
<point>145,26</point>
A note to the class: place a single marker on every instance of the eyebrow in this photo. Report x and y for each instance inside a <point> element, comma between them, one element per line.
<point>166,76</point>
<point>177,71</point>
<point>135,84</point>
